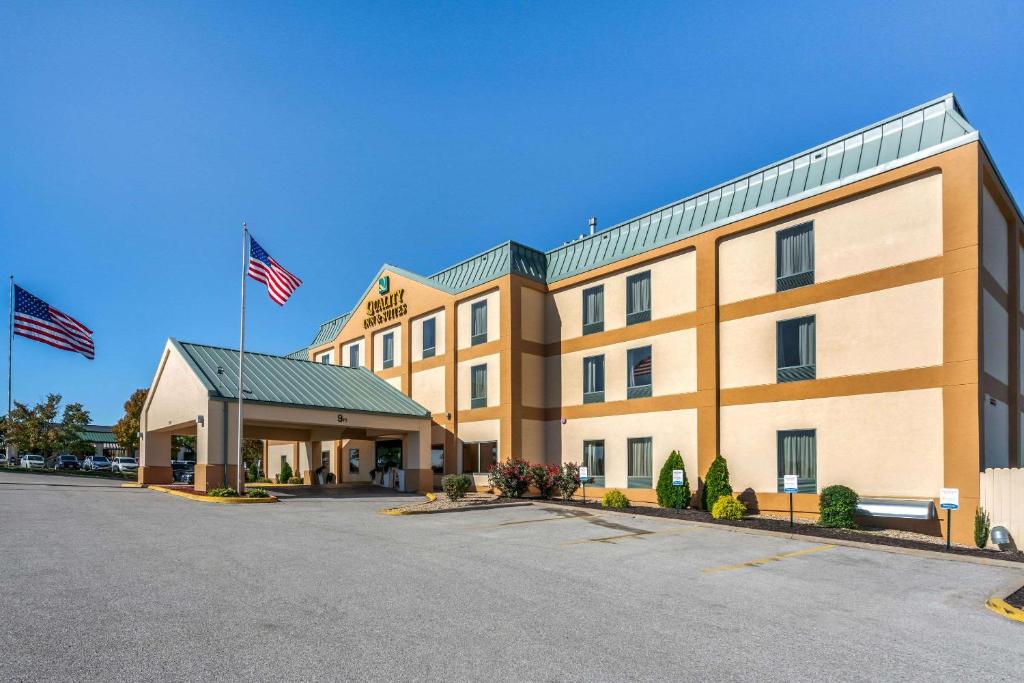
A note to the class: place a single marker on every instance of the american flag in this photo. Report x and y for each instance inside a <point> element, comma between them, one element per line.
<point>263,268</point>
<point>642,368</point>
<point>38,320</point>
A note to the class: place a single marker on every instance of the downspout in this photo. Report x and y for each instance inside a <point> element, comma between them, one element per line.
<point>225,451</point>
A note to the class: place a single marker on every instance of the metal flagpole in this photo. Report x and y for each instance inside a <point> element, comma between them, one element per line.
<point>241,362</point>
<point>10,352</point>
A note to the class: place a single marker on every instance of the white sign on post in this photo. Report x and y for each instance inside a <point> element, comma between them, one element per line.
<point>677,477</point>
<point>584,471</point>
<point>789,483</point>
<point>949,499</point>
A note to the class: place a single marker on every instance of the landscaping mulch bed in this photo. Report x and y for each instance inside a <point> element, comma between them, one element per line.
<point>1016,598</point>
<point>801,528</point>
<point>472,501</point>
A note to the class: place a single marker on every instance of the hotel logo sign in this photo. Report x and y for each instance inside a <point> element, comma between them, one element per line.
<point>389,307</point>
<point>384,284</point>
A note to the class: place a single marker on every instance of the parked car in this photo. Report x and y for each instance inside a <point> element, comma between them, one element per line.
<point>96,463</point>
<point>124,465</point>
<point>6,461</point>
<point>66,462</point>
<point>183,471</point>
<point>33,462</point>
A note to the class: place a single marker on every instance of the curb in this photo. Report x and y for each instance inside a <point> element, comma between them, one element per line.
<point>1005,609</point>
<point>211,499</point>
<point>133,485</point>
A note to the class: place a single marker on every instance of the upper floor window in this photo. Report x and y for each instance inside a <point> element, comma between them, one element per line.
<point>593,379</point>
<point>593,310</point>
<point>388,355</point>
<point>593,459</point>
<point>478,389</point>
<point>798,454</point>
<point>794,257</point>
<point>429,337</point>
<point>478,323</point>
<point>353,356</point>
<point>638,298</point>
<point>638,372</point>
<point>324,358</point>
<point>640,467</point>
<point>795,352</point>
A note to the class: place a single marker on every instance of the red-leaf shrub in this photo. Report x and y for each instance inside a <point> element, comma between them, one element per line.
<point>512,477</point>
<point>544,478</point>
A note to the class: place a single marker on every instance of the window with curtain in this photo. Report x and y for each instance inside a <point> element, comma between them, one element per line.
<point>479,456</point>
<point>795,349</point>
<point>638,298</point>
<point>640,465</point>
<point>593,379</point>
<point>429,337</point>
<point>794,257</point>
<point>353,356</point>
<point>478,389</point>
<point>798,454</point>
<point>593,310</point>
<point>388,354</point>
<point>478,323</point>
<point>593,458</point>
<point>638,372</point>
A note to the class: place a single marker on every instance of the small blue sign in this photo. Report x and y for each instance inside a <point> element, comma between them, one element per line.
<point>790,484</point>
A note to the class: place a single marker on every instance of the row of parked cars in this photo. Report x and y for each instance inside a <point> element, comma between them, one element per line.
<point>95,463</point>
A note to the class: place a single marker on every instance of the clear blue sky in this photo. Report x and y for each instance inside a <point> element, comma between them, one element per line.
<point>135,137</point>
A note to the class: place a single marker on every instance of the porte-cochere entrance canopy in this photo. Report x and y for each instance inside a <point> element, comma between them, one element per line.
<point>195,393</point>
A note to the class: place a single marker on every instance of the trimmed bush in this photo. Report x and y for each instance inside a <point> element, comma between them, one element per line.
<point>542,477</point>
<point>727,507</point>
<point>837,506</point>
<point>222,493</point>
<point>615,499</point>
<point>670,496</point>
<point>568,480</point>
<point>716,483</point>
<point>455,486</point>
<point>286,473</point>
<point>982,525</point>
<point>294,480</point>
<point>512,477</point>
<point>257,493</point>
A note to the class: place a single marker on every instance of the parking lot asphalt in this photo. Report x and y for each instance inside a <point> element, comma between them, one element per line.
<point>105,583</point>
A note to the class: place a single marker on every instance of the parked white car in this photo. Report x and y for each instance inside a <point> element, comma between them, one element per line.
<point>33,462</point>
<point>124,465</point>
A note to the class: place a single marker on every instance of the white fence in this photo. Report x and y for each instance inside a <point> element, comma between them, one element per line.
<point>1002,496</point>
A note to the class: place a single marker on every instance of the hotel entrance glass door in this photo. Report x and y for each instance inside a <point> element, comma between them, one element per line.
<point>389,454</point>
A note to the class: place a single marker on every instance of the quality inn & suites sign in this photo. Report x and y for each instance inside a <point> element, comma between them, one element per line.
<point>386,308</point>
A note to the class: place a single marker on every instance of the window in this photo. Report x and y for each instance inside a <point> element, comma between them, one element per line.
<point>325,459</point>
<point>479,457</point>
<point>795,349</point>
<point>478,390</point>
<point>641,454</point>
<point>388,342</point>
<point>478,323</point>
<point>353,460</point>
<point>284,461</point>
<point>593,458</point>
<point>638,298</point>
<point>429,337</point>
<point>638,372</point>
<point>353,356</point>
<point>593,310</point>
<point>794,257</point>
<point>437,458</point>
<point>798,454</point>
<point>324,358</point>
<point>593,379</point>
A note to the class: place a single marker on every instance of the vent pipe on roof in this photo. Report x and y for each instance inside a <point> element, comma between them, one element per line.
<point>593,224</point>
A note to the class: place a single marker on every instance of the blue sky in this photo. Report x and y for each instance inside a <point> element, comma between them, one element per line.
<point>136,137</point>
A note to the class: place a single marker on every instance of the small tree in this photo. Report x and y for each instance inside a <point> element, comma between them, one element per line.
<point>716,483</point>
<point>670,496</point>
<point>36,429</point>
<point>982,525</point>
<point>286,473</point>
<point>127,428</point>
<point>568,480</point>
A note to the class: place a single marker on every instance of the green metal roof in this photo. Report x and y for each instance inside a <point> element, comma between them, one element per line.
<point>98,434</point>
<point>330,329</point>
<point>301,354</point>
<point>510,257</point>
<point>280,380</point>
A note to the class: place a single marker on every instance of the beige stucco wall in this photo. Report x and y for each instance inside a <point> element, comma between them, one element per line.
<point>994,240</point>
<point>493,363</point>
<point>673,359</point>
<point>673,292</point>
<point>428,388</point>
<point>396,382</point>
<point>177,396</point>
<point>534,442</point>
<point>879,444</point>
<point>900,224</point>
<point>669,430</point>
<point>379,346</point>
<point>275,450</point>
<point>417,334</point>
<point>891,329</point>
<point>367,457</point>
<point>493,317</point>
<point>531,316</point>
<point>345,352</point>
<point>534,380</point>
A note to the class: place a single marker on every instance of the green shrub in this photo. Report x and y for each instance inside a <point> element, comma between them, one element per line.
<point>257,493</point>
<point>716,483</point>
<point>455,486</point>
<point>615,499</point>
<point>222,493</point>
<point>253,472</point>
<point>982,525</point>
<point>568,480</point>
<point>727,507</point>
<point>286,473</point>
<point>670,496</point>
<point>294,480</point>
<point>837,505</point>
<point>543,478</point>
<point>512,477</point>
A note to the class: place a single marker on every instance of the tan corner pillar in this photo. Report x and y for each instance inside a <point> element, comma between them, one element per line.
<point>216,448</point>
<point>707,355</point>
<point>309,460</point>
<point>419,477</point>
<point>155,459</point>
